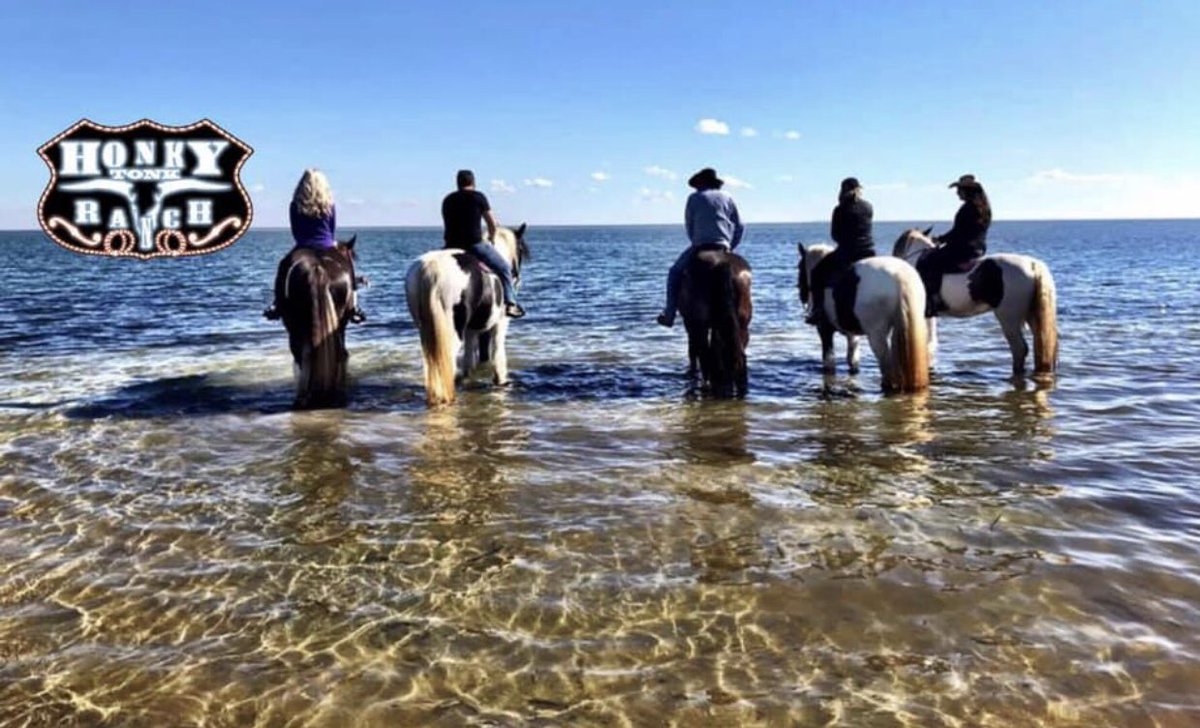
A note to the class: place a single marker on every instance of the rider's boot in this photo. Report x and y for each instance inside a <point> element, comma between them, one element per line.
<point>666,318</point>
<point>513,310</point>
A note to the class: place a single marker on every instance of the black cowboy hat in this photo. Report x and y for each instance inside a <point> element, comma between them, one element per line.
<point>849,184</point>
<point>967,180</point>
<point>706,179</point>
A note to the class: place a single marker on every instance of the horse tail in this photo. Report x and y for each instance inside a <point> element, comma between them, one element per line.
<point>1043,319</point>
<point>324,377</point>
<point>728,353</point>
<point>910,335</point>
<point>439,340</point>
<point>802,281</point>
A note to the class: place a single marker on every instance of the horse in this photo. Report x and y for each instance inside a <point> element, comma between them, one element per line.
<point>882,298</point>
<point>315,294</point>
<point>457,304</point>
<point>714,300</point>
<point>1019,289</point>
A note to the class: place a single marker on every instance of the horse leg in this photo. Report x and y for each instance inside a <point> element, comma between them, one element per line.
<point>878,338</point>
<point>695,350</point>
<point>499,355</point>
<point>828,360</point>
<point>468,356</point>
<point>1012,327</point>
<point>852,353</point>
<point>931,324</point>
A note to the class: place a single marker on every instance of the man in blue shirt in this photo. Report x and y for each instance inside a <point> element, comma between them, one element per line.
<point>711,220</point>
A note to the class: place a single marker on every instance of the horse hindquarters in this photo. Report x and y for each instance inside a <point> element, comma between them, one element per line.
<point>729,307</point>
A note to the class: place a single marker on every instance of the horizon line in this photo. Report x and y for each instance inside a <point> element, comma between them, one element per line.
<point>272,228</point>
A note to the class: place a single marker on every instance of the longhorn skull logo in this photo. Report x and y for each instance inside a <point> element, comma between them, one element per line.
<point>145,190</point>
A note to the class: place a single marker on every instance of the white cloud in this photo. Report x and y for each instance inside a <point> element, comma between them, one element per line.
<point>258,187</point>
<point>1060,175</point>
<point>736,183</point>
<point>355,201</point>
<point>712,126</point>
<point>749,131</point>
<point>656,171</point>
<point>600,176</point>
<point>784,178</point>
<point>499,185</point>
<point>539,182</point>
<point>890,186</point>
<point>791,135</point>
<point>647,194</point>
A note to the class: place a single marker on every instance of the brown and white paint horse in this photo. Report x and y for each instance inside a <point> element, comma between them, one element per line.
<point>1017,288</point>
<point>882,298</point>
<point>458,307</point>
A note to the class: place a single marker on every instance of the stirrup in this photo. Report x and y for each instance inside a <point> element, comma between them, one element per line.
<point>357,316</point>
<point>513,310</point>
<point>271,313</point>
<point>665,320</point>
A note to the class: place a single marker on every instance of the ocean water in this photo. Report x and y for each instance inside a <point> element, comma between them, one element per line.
<point>591,545</point>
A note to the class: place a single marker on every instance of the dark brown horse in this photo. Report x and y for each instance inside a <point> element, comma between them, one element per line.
<point>714,299</point>
<point>314,290</point>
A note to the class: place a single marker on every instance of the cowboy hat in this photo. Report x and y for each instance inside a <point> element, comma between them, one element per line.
<point>705,179</point>
<point>967,180</point>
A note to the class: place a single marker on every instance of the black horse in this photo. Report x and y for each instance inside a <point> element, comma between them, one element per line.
<point>714,299</point>
<point>314,290</point>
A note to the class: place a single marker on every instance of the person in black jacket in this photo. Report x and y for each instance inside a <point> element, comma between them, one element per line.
<point>851,230</point>
<point>966,240</point>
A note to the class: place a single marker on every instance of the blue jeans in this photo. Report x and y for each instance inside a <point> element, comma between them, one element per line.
<point>492,259</point>
<point>675,275</point>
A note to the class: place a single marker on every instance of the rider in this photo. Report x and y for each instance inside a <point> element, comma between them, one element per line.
<point>711,219</point>
<point>461,213</point>
<point>313,220</point>
<point>966,240</point>
<point>850,228</point>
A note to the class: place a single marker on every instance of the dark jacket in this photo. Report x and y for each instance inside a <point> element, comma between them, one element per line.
<point>851,227</point>
<point>969,234</point>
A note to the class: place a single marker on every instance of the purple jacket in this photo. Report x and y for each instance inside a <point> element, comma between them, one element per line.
<point>313,232</point>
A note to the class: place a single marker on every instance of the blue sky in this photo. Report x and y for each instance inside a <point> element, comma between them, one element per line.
<point>574,112</point>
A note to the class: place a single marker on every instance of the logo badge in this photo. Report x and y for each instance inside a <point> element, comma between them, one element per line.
<point>145,190</point>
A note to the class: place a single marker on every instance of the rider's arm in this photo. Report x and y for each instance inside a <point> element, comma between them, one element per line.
<point>490,218</point>
<point>738,227</point>
<point>687,220</point>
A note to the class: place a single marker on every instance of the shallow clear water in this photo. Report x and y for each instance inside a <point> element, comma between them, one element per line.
<point>591,546</point>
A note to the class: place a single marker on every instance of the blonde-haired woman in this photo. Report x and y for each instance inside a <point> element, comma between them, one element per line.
<point>313,218</point>
<point>312,213</point>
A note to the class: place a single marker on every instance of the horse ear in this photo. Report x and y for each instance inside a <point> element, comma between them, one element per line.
<point>353,239</point>
<point>800,248</point>
<point>521,230</point>
<point>927,230</point>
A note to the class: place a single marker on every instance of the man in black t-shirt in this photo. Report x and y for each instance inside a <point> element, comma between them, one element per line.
<point>462,211</point>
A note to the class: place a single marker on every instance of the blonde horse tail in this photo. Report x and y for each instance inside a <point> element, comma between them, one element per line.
<point>439,340</point>
<point>1043,319</point>
<point>910,336</point>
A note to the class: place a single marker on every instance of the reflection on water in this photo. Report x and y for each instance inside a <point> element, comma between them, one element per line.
<point>592,546</point>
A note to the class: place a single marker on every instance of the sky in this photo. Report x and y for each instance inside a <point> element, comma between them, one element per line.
<point>597,113</point>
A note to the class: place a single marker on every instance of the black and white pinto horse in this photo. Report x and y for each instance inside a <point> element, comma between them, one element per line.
<point>315,295</point>
<point>882,298</point>
<point>1017,288</point>
<point>457,304</point>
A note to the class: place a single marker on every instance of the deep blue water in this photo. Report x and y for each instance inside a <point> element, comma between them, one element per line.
<point>591,544</point>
